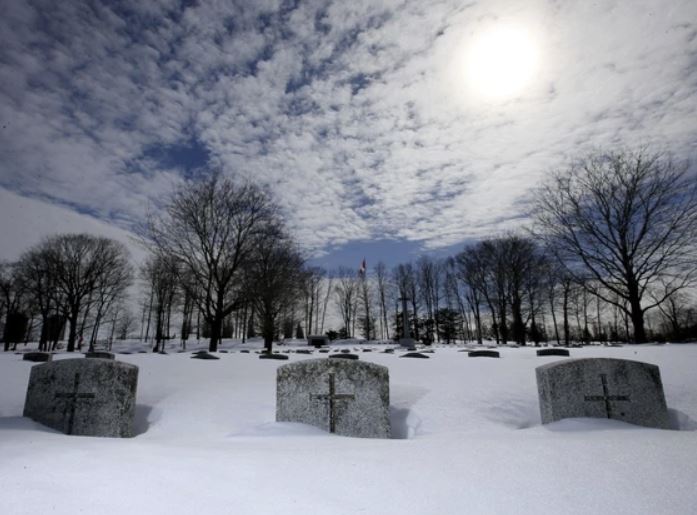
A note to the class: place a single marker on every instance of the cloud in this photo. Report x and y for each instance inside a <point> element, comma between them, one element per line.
<point>356,114</point>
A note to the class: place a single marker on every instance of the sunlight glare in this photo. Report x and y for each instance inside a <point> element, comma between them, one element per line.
<point>501,62</point>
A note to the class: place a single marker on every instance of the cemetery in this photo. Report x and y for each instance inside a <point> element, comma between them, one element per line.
<point>374,424</point>
<point>348,258</point>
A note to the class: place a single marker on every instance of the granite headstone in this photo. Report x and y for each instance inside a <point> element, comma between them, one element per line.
<point>88,397</point>
<point>620,389</point>
<point>345,397</point>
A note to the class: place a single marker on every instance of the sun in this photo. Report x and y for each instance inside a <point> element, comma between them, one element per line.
<point>501,62</point>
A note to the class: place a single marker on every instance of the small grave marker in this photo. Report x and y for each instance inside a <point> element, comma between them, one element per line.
<point>484,354</point>
<point>343,356</point>
<point>318,340</point>
<point>100,354</point>
<point>553,351</point>
<point>37,357</point>
<point>414,355</point>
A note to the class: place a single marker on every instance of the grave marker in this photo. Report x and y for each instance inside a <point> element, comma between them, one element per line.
<point>484,354</point>
<point>346,397</point>
<point>619,389</point>
<point>553,351</point>
<point>88,397</point>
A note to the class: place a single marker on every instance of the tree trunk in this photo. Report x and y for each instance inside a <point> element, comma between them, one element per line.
<point>216,331</point>
<point>73,330</point>
<point>638,322</point>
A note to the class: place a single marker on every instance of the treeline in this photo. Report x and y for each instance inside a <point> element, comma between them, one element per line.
<point>611,250</point>
<point>610,256</point>
<point>74,279</point>
<point>219,252</point>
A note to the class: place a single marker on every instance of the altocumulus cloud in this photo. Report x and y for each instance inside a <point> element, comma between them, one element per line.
<point>354,113</point>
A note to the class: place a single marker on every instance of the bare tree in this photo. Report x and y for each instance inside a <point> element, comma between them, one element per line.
<point>382,285</point>
<point>14,296</point>
<point>80,264</point>
<point>347,291</point>
<point>161,274</point>
<point>367,320</point>
<point>34,266</point>
<point>272,280</point>
<point>210,228</point>
<point>626,220</point>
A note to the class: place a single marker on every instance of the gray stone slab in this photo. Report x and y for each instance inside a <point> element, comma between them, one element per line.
<point>346,397</point>
<point>414,355</point>
<point>484,354</point>
<point>203,355</point>
<point>620,389</point>
<point>89,397</point>
<point>266,355</point>
<point>37,357</point>
<point>318,340</point>
<point>552,351</point>
<point>343,356</point>
<point>100,354</point>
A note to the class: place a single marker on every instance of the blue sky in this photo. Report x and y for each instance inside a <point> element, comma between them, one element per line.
<point>356,114</point>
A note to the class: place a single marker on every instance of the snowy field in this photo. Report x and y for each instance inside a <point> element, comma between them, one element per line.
<point>468,440</point>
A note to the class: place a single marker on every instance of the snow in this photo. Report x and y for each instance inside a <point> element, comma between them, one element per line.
<point>470,441</point>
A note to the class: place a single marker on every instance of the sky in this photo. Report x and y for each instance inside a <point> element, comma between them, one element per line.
<point>370,121</point>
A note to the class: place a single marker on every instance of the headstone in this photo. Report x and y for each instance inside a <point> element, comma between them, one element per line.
<point>100,354</point>
<point>203,355</point>
<point>266,355</point>
<point>244,351</point>
<point>484,354</point>
<point>304,351</point>
<point>318,340</point>
<point>414,355</point>
<point>343,356</point>
<point>346,397</point>
<point>88,397</point>
<point>553,351</point>
<point>324,351</point>
<point>620,389</point>
<point>38,357</point>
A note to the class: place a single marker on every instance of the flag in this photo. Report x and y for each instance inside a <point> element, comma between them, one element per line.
<point>361,270</point>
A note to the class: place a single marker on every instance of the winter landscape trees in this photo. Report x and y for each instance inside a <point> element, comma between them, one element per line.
<point>611,257</point>
<point>620,223</point>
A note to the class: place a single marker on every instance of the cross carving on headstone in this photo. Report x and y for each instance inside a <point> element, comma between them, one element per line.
<point>606,397</point>
<point>71,401</point>
<point>332,397</point>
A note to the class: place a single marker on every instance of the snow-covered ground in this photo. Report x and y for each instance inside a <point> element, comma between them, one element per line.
<point>469,440</point>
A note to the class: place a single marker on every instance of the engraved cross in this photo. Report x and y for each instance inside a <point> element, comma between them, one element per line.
<point>71,401</point>
<point>332,397</point>
<point>606,397</point>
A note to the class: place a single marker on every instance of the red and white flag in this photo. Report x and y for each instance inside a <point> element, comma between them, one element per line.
<point>361,270</point>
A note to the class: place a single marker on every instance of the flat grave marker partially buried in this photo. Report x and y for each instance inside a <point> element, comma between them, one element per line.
<point>553,351</point>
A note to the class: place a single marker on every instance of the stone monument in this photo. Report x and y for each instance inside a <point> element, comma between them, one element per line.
<point>620,389</point>
<point>346,397</point>
<point>318,340</point>
<point>88,397</point>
